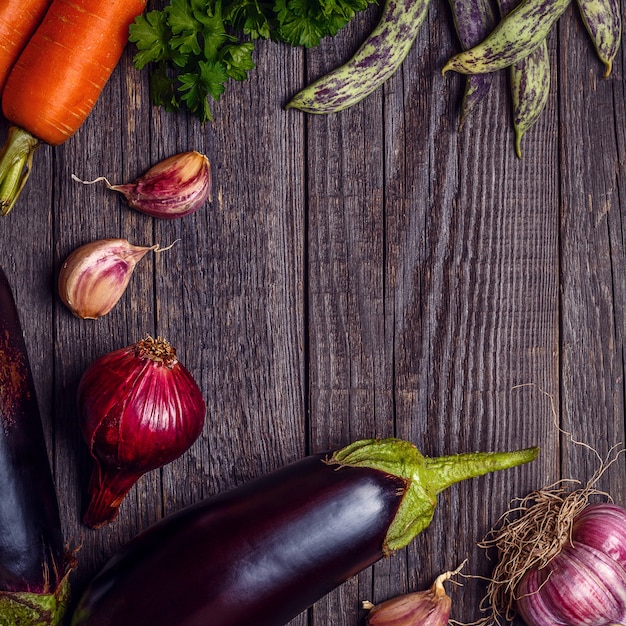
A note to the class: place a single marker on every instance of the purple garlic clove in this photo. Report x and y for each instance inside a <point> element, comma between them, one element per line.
<point>420,608</point>
<point>175,187</point>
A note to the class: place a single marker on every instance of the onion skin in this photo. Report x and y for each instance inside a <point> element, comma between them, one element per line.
<point>139,408</point>
<point>265,551</point>
<point>34,587</point>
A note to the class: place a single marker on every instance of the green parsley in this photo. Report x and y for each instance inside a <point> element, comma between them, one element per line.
<point>194,47</point>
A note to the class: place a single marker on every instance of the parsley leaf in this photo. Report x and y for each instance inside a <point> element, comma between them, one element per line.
<point>237,59</point>
<point>151,33</point>
<point>194,47</point>
<point>197,86</point>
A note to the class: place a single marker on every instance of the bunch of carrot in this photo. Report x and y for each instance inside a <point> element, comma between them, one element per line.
<point>55,58</point>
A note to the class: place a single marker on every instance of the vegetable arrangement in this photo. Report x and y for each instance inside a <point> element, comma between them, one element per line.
<point>34,566</point>
<point>193,52</point>
<point>263,552</point>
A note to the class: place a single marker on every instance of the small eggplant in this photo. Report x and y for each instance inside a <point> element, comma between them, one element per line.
<point>33,563</point>
<point>265,551</point>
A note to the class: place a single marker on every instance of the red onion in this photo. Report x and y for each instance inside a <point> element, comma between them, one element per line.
<point>139,409</point>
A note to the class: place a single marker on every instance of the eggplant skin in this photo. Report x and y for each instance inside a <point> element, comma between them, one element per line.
<point>32,552</point>
<point>258,554</point>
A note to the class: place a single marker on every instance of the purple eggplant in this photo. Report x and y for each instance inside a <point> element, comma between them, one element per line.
<point>33,562</point>
<point>265,551</point>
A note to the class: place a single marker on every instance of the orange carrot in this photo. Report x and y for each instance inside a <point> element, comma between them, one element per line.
<point>18,21</point>
<point>57,79</point>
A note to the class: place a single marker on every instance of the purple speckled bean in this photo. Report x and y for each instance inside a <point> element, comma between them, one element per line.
<point>530,88</point>
<point>530,85</point>
<point>473,21</point>
<point>603,21</point>
<point>515,37</point>
<point>378,58</point>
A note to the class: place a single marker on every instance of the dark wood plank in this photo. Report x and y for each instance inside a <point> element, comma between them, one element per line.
<point>593,261</point>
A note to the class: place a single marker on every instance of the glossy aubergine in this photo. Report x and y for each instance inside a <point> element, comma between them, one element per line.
<point>265,551</point>
<point>33,563</point>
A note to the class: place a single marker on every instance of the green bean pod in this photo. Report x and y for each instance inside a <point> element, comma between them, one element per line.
<point>378,58</point>
<point>515,37</point>
<point>530,88</point>
<point>603,21</point>
<point>473,21</point>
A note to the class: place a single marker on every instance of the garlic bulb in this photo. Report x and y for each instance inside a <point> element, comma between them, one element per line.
<point>561,560</point>
<point>585,583</point>
<point>581,586</point>
<point>94,276</point>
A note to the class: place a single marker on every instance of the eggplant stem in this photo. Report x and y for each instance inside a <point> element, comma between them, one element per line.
<point>37,609</point>
<point>424,477</point>
<point>16,160</point>
<point>444,471</point>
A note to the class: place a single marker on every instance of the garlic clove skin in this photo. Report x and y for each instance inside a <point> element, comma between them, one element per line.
<point>421,608</point>
<point>94,277</point>
<point>173,188</point>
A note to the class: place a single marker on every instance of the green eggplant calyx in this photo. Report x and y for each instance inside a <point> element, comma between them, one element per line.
<point>425,477</point>
<point>29,608</point>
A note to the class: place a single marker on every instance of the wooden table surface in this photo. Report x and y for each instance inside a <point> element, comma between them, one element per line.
<point>371,273</point>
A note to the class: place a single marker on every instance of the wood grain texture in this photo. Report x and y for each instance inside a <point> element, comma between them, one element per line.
<point>377,272</point>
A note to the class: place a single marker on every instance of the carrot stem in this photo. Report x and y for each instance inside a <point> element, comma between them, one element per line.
<point>16,160</point>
